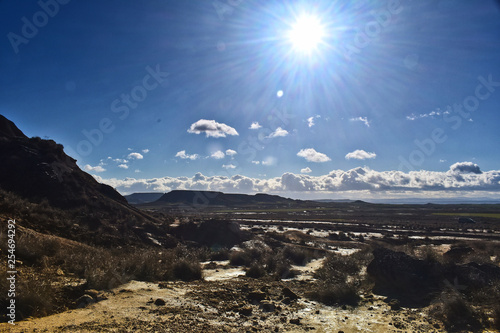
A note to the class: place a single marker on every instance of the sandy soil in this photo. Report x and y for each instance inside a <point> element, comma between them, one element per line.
<point>226,302</point>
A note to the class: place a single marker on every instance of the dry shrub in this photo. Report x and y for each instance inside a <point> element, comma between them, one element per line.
<point>219,255</point>
<point>331,293</point>
<point>496,317</point>
<point>240,258</point>
<point>338,267</point>
<point>185,270</point>
<point>456,313</point>
<point>35,297</point>
<point>298,256</point>
<point>339,278</point>
<point>256,271</point>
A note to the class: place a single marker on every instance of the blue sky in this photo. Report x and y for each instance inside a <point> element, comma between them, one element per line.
<point>398,98</point>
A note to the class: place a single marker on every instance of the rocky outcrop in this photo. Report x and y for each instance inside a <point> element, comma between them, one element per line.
<point>39,169</point>
<point>212,233</point>
<point>412,281</point>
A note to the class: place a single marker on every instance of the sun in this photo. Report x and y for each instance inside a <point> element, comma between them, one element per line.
<point>306,34</point>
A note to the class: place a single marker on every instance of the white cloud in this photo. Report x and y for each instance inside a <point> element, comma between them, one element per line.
<point>136,156</point>
<point>145,151</point>
<point>436,113</point>
<point>256,162</point>
<point>229,166</point>
<point>255,125</point>
<point>306,170</point>
<point>364,120</point>
<point>278,132</point>
<point>211,128</point>
<point>218,155</point>
<point>90,168</point>
<point>310,121</point>
<point>462,179</point>
<point>465,167</point>
<point>360,155</point>
<point>123,166</point>
<point>182,154</point>
<point>117,160</point>
<point>311,155</point>
<point>231,152</point>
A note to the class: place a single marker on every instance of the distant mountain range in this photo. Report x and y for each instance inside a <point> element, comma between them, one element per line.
<point>211,198</point>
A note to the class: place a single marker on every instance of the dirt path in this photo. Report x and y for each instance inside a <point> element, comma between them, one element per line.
<point>224,302</point>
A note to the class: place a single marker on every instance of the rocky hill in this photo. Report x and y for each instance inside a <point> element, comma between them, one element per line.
<point>45,188</point>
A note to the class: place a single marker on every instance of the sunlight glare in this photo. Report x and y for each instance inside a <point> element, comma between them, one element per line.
<point>306,34</point>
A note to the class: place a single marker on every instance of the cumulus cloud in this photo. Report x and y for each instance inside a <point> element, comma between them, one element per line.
<point>278,132</point>
<point>310,121</point>
<point>231,152</point>
<point>211,128</point>
<point>256,162</point>
<point>136,156</point>
<point>229,166</point>
<point>311,155</point>
<point>145,151</point>
<point>123,166</point>
<point>358,180</point>
<point>218,155</point>
<point>465,167</point>
<point>182,154</point>
<point>117,160</point>
<point>360,155</point>
<point>255,125</point>
<point>90,168</point>
<point>306,170</point>
<point>364,120</point>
